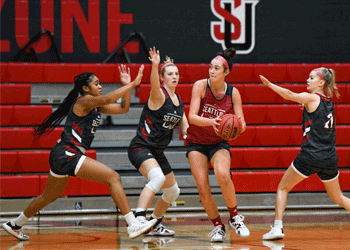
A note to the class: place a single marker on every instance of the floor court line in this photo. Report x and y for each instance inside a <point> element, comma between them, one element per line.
<point>319,229</point>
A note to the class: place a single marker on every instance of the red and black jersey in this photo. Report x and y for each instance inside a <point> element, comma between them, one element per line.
<point>155,128</point>
<point>210,108</point>
<point>79,130</point>
<point>319,131</point>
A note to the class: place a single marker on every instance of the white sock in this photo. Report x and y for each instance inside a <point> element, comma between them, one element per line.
<point>153,216</point>
<point>140,209</point>
<point>129,217</point>
<point>21,220</point>
<point>278,224</point>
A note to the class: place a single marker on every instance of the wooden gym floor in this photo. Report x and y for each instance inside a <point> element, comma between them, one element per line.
<point>314,229</point>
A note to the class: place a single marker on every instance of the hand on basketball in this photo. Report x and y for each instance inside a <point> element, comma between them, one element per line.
<point>216,123</point>
<point>154,56</point>
<point>240,118</point>
<point>124,74</point>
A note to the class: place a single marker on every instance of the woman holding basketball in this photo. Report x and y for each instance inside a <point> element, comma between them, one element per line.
<point>162,113</point>
<point>212,98</point>
<point>318,154</point>
<point>67,157</point>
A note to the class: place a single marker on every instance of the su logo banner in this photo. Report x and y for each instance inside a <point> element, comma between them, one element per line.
<point>236,27</point>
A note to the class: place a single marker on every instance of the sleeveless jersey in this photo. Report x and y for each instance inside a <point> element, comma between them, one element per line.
<point>319,131</point>
<point>81,130</point>
<point>155,128</point>
<point>210,108</point>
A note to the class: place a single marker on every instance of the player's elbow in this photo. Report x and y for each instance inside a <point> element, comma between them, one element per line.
<point>125,110</point>
<point>191,118</point>
<point>106,100</point>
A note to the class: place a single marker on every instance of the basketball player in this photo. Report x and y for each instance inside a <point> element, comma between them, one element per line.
<point>211,98</point>
<point>317,153</point>
<point>67,156</point>
<point>162,112</point>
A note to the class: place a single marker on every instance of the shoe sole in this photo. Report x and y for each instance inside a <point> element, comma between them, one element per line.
<point>136,234</point>
<point>218,241</point>
<point>162,235</point>
<point>275,238</point>
<point>243,236</point>
<point>9,230</point>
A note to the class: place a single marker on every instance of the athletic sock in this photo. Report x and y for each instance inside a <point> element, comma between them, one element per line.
<point>233,211</point>
<point>217,221</point>
<point>159,219</point>
<point>21,220</point>
<point>129,217</point>
<point>278,224</point>
<point>140,212</point>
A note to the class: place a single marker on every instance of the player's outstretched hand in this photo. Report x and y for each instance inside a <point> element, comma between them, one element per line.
<point>138,78</point>
<point>154,56</point>
<point>124,74</point>
<point>264,80</point>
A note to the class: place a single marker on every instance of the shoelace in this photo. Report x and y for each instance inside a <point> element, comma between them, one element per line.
<point>217,229</point>
<point>21,233</point>
<point>160,227</point>
<point>238,221</point>
<point>239,218</point>
<point>141,219</point>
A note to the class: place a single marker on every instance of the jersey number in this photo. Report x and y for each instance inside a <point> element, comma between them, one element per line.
<point>330,122</point>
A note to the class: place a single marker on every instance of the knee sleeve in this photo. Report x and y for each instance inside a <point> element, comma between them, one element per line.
<point>156,179</point>
<point>170,194</point>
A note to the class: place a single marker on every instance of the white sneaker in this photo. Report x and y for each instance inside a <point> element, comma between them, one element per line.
<point>161,230</point>
<point>275,234</point>
<point>237,224</point>
<point>137,227</point>
<point>217,234</point>
<point>274,245</point>
<point>14,230</point>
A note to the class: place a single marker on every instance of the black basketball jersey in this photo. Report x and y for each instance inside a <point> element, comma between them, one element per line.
<point>155,128</point>
<point>319,131</point>
<point>81,130</point>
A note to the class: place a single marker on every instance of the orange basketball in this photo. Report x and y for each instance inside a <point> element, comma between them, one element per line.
<point>230,127</point>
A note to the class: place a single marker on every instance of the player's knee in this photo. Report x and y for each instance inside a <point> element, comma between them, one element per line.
<point>170,194</point>
<point>114,177</point>
<point>156,179</point>
<point>336,198</point>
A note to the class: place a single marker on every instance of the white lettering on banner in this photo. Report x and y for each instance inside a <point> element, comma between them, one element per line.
<point>236,26</point>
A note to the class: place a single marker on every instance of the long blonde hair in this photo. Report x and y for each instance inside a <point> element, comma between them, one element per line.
<point>329,79</point>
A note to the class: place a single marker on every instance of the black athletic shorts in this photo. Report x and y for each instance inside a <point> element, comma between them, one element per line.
<point>65,160</point>
<point>208,150</point>
<point>140,154</point>
<point>326,170</point>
